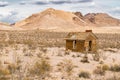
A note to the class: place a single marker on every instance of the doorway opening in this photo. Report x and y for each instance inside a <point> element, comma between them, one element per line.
<point>90,45</point>
<point>74,44</point>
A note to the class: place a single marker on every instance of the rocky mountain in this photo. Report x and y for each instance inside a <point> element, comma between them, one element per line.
<point>101,19</point>
<point>58,20</point>
<point>98,19</point>
<point>52,19</point>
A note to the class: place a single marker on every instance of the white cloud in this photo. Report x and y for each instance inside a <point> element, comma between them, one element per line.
<point>11,17</point>
<point>116,9</point>
<point>115,12</point>
<point>93,3</point>
<point>18,11</point>
<point>54,2</point>
<point>3,3</point>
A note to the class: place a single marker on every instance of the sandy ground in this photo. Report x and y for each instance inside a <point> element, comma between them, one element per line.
<point>57,55</point>
<point>104,29</point>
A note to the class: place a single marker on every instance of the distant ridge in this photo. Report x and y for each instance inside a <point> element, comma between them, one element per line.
<point>102,19</point>
<point>59,20</point>
<point>51,19</point>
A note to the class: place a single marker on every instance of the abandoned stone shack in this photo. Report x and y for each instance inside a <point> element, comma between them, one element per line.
<point>81,41</point>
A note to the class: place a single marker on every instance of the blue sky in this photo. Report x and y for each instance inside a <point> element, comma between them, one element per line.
<point>15,10</point>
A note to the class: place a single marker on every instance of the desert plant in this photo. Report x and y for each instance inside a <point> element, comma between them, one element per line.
<point>96,57</point>
<point>101,62</point>
<point>4,73</point>
<point>84,74</point>
<point>115,68</point>
<point>41,69</point>
<point>114,77</point>
<point>12,68</point>
<point>73,56</point>
<point>105,67</point>
<point>103,56</point>
<point>67,52</point>
<point>67,68</point>
<point>85,59</point>
<point>99,71</point>
<point>26,78</point>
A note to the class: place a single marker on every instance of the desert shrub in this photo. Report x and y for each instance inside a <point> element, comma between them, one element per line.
<point>59,54</point>
<point>84,74</point>
<point>41,69</point>
<point>1,46</point>
<point>28,54</point>
<point>115,68</point>
<point>66,67</point>
<point>96,57</point>
<point>5,78</point>
<point>78,55</point>
<point>44,50</point>
<point>113,78</point>
<point>67,52</point>
<point>26,78</point>
<point>73,56</point>
<point>110,50</point>
<point>12,68</point>
<point>39,55</point>
<point>99,71</point>
<point>103,56</point>
<point>101,62</point>
<point>24,50</point>
<point>85,59</point>
<point>4,73</point>
<point>105,67</point>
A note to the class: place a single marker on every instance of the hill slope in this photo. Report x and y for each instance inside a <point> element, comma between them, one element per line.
<point>51,19</point>
<point>58,20</point>
<point>6,26</point>
<point>102,19</point>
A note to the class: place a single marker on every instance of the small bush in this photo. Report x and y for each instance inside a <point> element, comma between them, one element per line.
<point>78,55</point>
<point>26,78</point>
<point>115,68</point>
<point>105,67</point>
<point>101,62</point>
<point>96,57</point>
<point>113,78</point>
<point>85,59</point>
<point>84,74</point>
<point>41,68</point>
<point>67,52</point>
<point>66,67</point>
<point>99,71</point>
<point>12,68</point>
<point>4,72</point>
<point>73,56</point>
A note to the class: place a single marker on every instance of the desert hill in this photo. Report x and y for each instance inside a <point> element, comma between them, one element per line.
<point>98,19</point>
<point>102,19</point>
<point>58,20</point>
<point>5,26</point>
<point>51,19</point>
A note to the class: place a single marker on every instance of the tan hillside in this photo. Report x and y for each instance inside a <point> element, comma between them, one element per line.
<point>58,20</point>
<point>51,19</point>
<point>6,26</point>
<point>101,19</point>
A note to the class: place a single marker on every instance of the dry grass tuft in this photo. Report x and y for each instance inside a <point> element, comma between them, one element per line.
<point>84,74</point>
